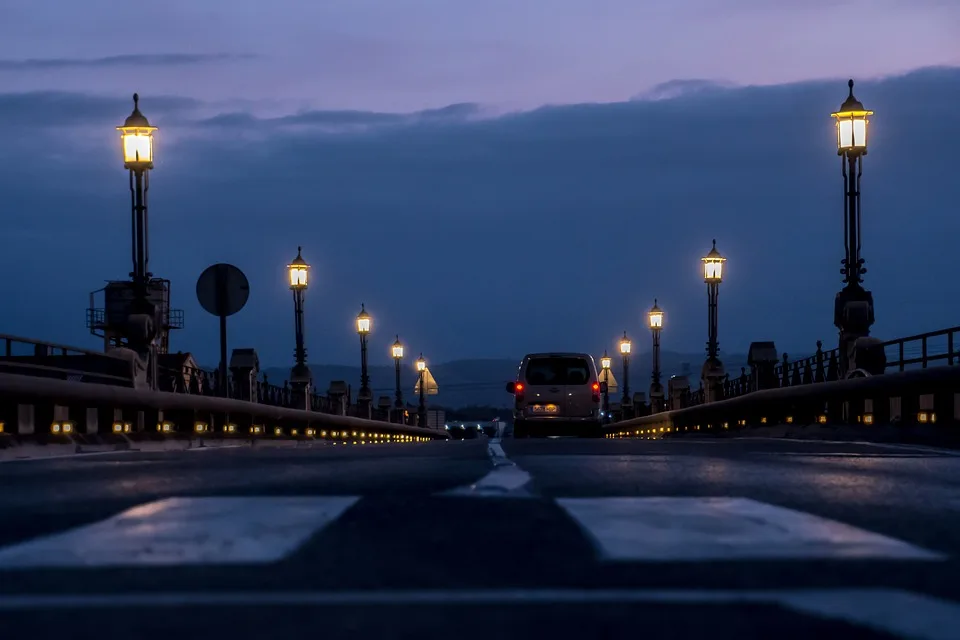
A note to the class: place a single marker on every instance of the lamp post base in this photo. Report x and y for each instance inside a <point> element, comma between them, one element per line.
<point>853,315</point>
<point>300,379</point>
<point>712,375</point>
<point>364,404</point>
<point>656,398</point>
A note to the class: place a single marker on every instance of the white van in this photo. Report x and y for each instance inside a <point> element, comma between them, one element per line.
<point>557,394</point>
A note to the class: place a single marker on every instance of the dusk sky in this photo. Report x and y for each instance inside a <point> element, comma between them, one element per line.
<point>407,146</point>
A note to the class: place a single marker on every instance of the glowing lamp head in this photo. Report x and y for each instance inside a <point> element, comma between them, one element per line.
<point>397,349</point>
<point>625,345</point>
<point>364,321</point>
<point>655,316</point>
<point>605,361</point>
<point>136,140</point>
<point>421,364</point>
<point>852,120</point>
<point>713,266</point>
<point>297,271</point>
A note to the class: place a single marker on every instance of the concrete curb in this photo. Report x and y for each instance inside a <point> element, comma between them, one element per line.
<point>23,451</point>
<point>929,435</point>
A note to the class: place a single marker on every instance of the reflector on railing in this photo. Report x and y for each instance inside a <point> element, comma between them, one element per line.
<point>61,428</point>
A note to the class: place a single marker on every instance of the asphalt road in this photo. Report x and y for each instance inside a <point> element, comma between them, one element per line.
<point>479,539</point>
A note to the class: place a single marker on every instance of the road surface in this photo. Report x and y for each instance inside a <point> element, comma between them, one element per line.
<point>741,538</point>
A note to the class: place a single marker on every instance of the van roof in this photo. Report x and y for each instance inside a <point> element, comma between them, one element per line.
<point>557,354</point>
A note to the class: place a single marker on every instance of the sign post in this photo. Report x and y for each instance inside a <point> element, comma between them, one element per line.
<point>223,290</point>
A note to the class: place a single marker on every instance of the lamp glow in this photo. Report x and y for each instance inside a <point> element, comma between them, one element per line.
<point>713,266</point>
<point>364,321</point>
<point>852,122</point>
<point>297,271</point>
<point>136,139</point>
<point>655,316</point>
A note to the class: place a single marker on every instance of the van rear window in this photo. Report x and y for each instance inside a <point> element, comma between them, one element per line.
<point>557,371</point>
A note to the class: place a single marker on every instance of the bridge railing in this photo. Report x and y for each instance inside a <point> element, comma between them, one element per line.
<point>26,356</point>
<point>32,406</point>
<point>198,381</point>
<point>924,403</point>
<point>920,351</point>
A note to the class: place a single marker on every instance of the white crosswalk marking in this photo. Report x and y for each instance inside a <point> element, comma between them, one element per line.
<point>183,531</point>
<point>705,529</point>
<point>260,530</point>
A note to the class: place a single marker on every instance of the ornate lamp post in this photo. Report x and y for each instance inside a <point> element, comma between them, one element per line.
<point>625,347</point>
<point>655,320</point>
<point>364,326</point>
<point>298,276</point>
<point>853,312</point>
<point>397,351</point>
<point>605,362</point>
<point>422,408</point>
<point>136,143</point>
<point>712,372</point>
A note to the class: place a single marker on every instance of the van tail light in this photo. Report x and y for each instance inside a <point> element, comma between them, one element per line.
<point>518,392</point>
<point>596,391</point>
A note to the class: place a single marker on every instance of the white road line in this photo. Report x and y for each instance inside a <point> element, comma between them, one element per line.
<point>181,531</point>
<point>214,448</point>
<point>896,612</point>
<point>704,529</point>
<point>75,456</point>
<point>830,454</point>
<point>506,479</point>
<point>880,445</point>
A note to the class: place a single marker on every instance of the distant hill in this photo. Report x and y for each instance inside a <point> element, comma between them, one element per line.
<point>481,382</point>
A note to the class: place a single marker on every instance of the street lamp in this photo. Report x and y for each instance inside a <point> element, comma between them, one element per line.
<point>625,348</point>
<point>853,311</point>
<point>605,362</point>
<point>364,326</point>
<point>136,144</point>
<point>712,371</point>
<point>655,320</point>
<point>397,350</point>
<point>298,277</point>
<point>422,408</point>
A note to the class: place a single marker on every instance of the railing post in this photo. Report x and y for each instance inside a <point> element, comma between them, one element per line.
<point>832,372</point>
<point>819,376</point>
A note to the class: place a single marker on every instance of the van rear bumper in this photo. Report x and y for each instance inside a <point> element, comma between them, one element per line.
<point>540,427</point>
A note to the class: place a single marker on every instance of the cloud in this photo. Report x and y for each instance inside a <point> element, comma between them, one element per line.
<point>682,88</point>
<point>482,235</point>
<point>349,121</point>
<point>51,110</point>
<point>129,60</point>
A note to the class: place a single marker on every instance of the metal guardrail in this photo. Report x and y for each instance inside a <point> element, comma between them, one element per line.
<point>26,356</point>
<point>203,382</point>
<point>40,359</point>
<point>922,397</point>
<point>100,408</point>
<point>918,351</point>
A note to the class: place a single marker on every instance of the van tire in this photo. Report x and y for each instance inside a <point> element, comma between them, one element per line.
<point>593,431</point>
<point>520,430</point>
